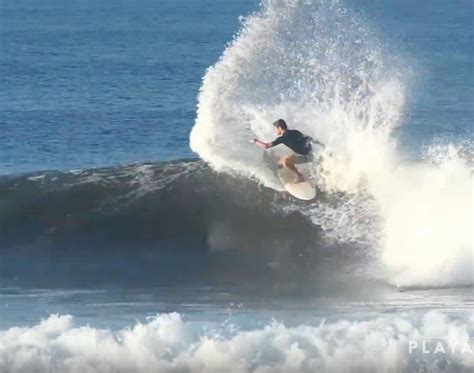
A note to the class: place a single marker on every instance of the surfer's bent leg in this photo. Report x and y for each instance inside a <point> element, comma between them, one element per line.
<point>289,163</point>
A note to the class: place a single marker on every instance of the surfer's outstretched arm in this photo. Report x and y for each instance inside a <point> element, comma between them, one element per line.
<point>263,145</point>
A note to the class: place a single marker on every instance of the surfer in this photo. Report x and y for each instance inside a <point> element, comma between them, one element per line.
<point>296,141</point>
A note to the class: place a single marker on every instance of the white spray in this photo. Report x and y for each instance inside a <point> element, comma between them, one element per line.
<point>319,66</point>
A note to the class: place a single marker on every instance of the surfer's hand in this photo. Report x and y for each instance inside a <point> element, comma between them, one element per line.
<point>262,144</point>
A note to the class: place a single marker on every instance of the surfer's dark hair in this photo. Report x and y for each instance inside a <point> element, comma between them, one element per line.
<point>281,124</point>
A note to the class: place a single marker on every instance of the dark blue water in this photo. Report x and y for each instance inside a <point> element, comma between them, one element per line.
<point>92,83</point>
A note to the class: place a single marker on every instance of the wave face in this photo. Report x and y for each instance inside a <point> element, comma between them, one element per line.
<point>322,68</point>
<point>139,203</point>
<point>187,219</point>
<point>167,343</point>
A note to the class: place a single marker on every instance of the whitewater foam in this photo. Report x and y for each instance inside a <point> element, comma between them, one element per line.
<point>167,343</point>
<point>322,68</point>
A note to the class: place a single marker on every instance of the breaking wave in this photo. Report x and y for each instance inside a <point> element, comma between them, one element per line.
<point>322,67</point>
<point>325,70</point>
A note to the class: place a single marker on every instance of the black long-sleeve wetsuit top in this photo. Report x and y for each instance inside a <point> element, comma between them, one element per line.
<point>296,141</point>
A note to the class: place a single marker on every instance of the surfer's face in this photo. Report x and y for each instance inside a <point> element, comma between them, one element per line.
<point>279,131</point>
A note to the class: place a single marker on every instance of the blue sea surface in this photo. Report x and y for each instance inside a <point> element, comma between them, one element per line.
<point>94,83</point>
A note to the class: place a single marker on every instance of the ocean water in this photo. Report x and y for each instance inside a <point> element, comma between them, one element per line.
<point>141,232</point>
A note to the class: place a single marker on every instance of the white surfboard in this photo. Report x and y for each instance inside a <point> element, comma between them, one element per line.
<point>304,190</point>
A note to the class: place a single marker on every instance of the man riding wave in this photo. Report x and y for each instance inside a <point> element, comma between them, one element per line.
<point>296,141</point>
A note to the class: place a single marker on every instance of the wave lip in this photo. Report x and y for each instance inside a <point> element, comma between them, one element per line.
<point>167,343</point>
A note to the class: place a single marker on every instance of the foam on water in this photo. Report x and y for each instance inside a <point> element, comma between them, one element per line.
<point>167,343</point>
<point>322,68</point>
